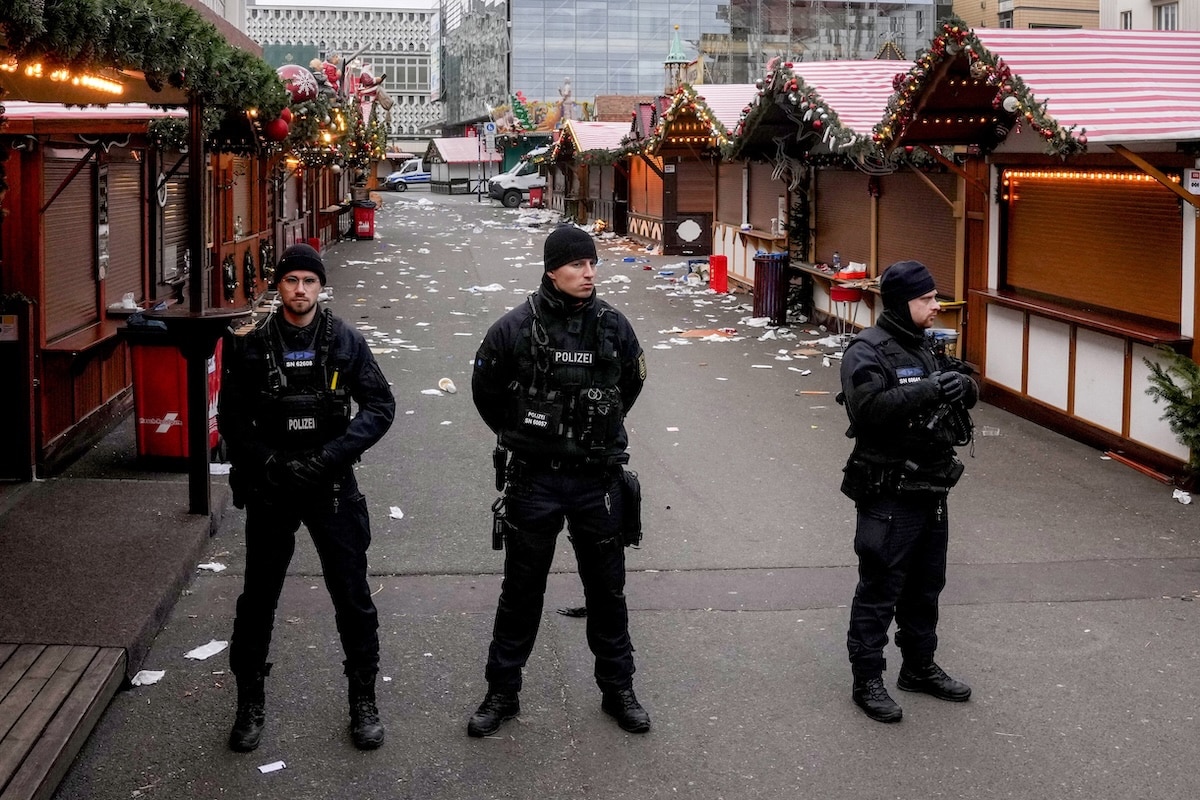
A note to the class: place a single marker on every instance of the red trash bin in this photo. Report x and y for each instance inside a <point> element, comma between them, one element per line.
<point>364,219</point>
<point>718,274</point>
<point>160,395</point>
<point>535,197</point>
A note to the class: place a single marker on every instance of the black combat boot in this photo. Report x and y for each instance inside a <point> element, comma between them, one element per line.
<point>623,706</point>
<point>365,728</point>
<point>924,675</point>
<point>251,711</point>
<point>496,709</point>
<point>872,697</point>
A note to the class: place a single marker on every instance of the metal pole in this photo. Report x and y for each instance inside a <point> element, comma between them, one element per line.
<point>199,486</point>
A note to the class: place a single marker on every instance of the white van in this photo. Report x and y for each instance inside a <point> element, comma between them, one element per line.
<point>513,186</point>
<point>411,172</point>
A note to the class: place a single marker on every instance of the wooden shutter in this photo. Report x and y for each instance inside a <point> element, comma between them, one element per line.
<point>915,224</point>
<point>175,229</point>
<point>125,232</point>
<point>764,196</point>
<point>729,193</point>
<point>1113,244</point>
<point>694,184</point>
<point>69,228</point>
<point>242,180</point>
<point>843,216</point>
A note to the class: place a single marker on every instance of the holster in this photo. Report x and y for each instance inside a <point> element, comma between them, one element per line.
<point>499,523</point>
<point>631,505</point>
<point>863,479</point>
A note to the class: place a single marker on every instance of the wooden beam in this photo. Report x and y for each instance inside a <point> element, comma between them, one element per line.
<point>1154,172</point>
<point>955,168</point>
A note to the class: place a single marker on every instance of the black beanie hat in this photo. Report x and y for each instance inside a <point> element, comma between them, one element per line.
<point>565,244</point>
<point>904,281</point>
<point>300,256</point>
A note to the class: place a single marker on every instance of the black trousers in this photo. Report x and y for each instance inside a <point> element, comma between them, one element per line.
<point>901,543</point>
<point>539,499</point>
<point>341,531</point>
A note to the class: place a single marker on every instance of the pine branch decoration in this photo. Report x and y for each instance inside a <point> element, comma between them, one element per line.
<point>1175,380</point>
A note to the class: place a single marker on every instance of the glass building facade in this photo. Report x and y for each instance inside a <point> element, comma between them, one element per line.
<point>618,46</point>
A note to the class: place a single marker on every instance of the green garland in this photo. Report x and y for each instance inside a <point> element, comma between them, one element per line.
<point>1012,94</point>
<point>165,39</point>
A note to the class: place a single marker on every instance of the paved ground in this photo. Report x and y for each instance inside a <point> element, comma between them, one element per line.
<point>1069,604</point>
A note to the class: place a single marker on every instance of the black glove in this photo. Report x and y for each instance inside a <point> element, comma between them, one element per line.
<point>308,471</point>
<point>952,386</point>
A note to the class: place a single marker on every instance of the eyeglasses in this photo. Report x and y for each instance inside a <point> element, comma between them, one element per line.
<point>291,281</point>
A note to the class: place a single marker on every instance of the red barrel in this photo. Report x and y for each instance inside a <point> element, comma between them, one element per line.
<point>718,274</point>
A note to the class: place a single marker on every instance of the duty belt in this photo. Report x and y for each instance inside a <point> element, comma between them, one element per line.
<point>570,464</point>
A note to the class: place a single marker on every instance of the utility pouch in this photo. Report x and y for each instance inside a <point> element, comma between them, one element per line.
<point>862,479</point>
<point>499,523</point>
<point>600,415</point>
<point>540,415</point>
<point>631,505</point>
<point>500,464</point>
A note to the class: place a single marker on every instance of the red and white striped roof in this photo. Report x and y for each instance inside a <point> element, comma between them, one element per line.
<point>597,135</point>
<point>857,91</point>
<point>726,100</point>
<point>1121,86</point>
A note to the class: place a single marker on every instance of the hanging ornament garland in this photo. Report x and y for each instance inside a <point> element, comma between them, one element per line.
<point>687,102</point>
<point>1012,94</point>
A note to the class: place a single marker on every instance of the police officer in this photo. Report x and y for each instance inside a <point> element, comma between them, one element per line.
<point>285,414</point>
<point>907,403</point>
<point>554,379</point>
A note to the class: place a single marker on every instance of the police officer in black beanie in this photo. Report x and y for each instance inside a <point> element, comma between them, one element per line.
<point>554,378</point>
<point>285,414</point>
<point>907,402</point>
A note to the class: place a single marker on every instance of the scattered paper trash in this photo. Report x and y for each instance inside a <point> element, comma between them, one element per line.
<point>148,677</point>
<point>988,430</point>
<point>434,392</point>
<point>212,566</point>
<point>1182,496</point>
<point>217,468</point>
<point>274,766</point>
<point>396,513</point>
<point>206,650</point>
<point>447,386</point>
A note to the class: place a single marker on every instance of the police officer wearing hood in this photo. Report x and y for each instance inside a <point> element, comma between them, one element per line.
<point>907,402</point>
<point>554,379</point>
<point>286,416</point>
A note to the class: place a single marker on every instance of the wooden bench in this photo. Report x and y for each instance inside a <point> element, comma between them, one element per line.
<point>51,696</point>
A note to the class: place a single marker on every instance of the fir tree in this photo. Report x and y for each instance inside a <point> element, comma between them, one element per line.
<point>1182,399</point>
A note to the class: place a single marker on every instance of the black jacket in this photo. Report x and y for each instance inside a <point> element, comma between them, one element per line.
<point>245,398</point>
<point>506,368</point>
<point>891,400</point>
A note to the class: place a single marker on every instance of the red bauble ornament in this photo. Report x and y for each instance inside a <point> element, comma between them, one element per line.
<point>299,81</point>
<point>276,130</point>
<point>286,115</point>
<point>816,124</point>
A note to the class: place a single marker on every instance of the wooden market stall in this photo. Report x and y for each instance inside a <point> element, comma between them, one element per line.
<point>460,165</point>
<point>1080,243</point>
<point>590,179</point>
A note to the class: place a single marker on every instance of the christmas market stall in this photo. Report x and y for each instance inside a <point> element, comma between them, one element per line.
<point>673,177</point>
<point>818,188</point>
<point>590,179</point>
<point>115,207</point>
<point>461,165</point>
<point>1081,238</point>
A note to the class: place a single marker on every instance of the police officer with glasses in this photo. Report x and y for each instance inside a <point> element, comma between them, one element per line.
<point>293,438</point>
<point>908,407</point>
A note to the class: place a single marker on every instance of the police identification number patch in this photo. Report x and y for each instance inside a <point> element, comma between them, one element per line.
<point>300,358</point>
<point>909,375</point>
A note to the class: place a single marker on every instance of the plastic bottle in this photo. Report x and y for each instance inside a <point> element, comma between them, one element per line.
<point>837,260</point>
